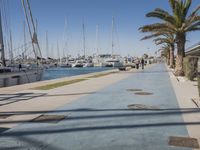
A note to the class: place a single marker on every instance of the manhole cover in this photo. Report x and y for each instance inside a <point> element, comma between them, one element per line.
<point>143,107</point>
<point>48,119</point>
<point>183,142</point>
<point>134,90</point>
<point>143,93</point>
<point>5,116</point>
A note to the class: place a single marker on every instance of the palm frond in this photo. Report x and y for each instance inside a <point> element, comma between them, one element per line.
<point>172,5</point>
<point>193,17</point>
<point>194,12</point>
<point>187,5</point>
<point>159,41</point>
<point>157,27</point>
<point>194,25</point>
<point>152,36</point>
<point>161,14</point>
<point>194,29</point>
<point>161,11</point>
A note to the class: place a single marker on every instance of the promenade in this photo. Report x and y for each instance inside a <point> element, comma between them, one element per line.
<point>133,110</point>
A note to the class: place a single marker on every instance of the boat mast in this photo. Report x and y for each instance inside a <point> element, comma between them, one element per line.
<point>58,50</point>
<point>24,54</point>
<point>2,57</point>
<point>11,48</point>
<point>64,39</point>
<point>84,40</point>
<point>36,26</point>
<point>97,40</point>
<point>112,36</point>
<point>47,45</point>
<point>29,28</point>
<point>51,55</point>
<point>33,35</point>
<point>35,39</point>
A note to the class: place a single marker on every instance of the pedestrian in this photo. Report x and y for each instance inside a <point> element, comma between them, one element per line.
<point>137,64</point>
<point>20,67</point>
<point>142,63</point>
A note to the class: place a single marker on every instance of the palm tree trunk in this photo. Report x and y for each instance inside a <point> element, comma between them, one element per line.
<point>168,57</point>
<point>180,37</point>
<point>172,56</point>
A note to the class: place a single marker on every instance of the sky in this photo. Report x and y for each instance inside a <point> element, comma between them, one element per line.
<point>128,15</point>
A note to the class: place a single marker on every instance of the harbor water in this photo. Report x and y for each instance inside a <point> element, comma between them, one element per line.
<point>54,73</point>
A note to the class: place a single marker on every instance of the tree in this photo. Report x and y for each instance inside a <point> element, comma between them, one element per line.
<point>179,22</point>
<point>164,38</point>
<point>169,40</point>
<point>165,52</point>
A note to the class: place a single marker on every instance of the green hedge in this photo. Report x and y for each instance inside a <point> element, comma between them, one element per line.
<point>190,67</point>
<point>198,79</point>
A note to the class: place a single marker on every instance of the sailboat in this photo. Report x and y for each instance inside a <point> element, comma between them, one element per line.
<point>97,60</point>
<point>83,61</point>
<point>87,62</point>
<point>65,60</point>
<point>18,73</point>
<point>113,60</point>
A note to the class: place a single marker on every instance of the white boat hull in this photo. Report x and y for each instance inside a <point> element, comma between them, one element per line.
<point>112,64</point>
<point>17,78</point>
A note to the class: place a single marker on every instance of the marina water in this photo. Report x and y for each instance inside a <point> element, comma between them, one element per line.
<point>54,73</point>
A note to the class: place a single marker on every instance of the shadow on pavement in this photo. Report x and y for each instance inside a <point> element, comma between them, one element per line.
<point>3,129</point>
<point>146,71</point>
<point>124,113</point>
<point>6,99</point>
<point>58,129</point>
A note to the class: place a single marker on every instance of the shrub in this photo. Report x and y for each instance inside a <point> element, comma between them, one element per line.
<point>190,67</point>
<point>198,79</point>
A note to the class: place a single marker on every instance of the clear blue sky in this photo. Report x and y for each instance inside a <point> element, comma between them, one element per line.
<point>129,16</point>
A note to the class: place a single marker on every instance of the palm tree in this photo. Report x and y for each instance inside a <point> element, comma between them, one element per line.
<point>165,52</point>
<point>165,38</point>
<point>177,23</point>
<point>169,40</point>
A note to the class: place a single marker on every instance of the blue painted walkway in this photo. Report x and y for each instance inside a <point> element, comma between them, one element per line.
<point>102,121</point>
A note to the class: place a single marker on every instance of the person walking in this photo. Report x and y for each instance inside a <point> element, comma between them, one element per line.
<point>20,67</point>
<point>137,63</point>
<point>142,63</point>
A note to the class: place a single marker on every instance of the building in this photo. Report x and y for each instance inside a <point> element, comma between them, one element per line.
<point>194,51</point>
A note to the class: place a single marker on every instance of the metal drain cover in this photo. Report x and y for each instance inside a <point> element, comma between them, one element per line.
<point>143,93</point>
<point>183,142</point>
<point>134,90</point>
<point>49,119</point>
<point>142,106</point>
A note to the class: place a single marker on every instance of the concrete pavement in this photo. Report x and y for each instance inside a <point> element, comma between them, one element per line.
<point>102,119</point>
<point>22,87</point>
<point>185,91</point>
<point>39,101</point>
